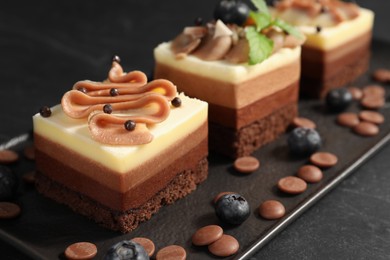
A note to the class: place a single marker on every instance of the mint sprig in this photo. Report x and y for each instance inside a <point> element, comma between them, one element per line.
<point>287,28</point>
<point>260,46</point>
<point>261,20</point>
<point>261,6</point>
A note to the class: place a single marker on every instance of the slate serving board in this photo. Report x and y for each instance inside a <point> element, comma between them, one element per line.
<point>46,228</point>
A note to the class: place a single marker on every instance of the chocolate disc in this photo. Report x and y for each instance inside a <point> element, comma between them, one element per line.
<point>323,159</point>
<point>372,117</point>
<point>225,246</point>
<point>374,91</point>
<point>9,210</point>
<point>366,129</point>
<point>8,156</point>
<point>219,195</point>
<point>173,252</point>
<point>146,243</point>
<point>81,250</point>
<point>246,164</point>
<point>303,122</point>
<point>207,235</point>
<point>310,173</point>
<point>373,102</point>
<point>348,119</point>
<point>272,209</point>
<point>292,185</point>
<point>382,75</point>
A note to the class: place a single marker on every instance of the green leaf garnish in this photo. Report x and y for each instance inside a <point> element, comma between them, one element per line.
<point>260,47</point>
<point>287,28</point>
<point>261,20</point>
<point>261,5</point>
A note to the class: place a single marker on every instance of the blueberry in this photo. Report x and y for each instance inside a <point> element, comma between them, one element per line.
<point>8,183</point>
<point>231,11</point>
<point>304,141</point>
<point>232,209</point>
<point>128,250</point>
<point>338,99</point>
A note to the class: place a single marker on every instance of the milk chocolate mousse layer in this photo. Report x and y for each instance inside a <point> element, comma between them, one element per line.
<point>115,190</point>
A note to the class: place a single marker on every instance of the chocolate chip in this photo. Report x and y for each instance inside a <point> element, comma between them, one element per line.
<point>130,125</point>
<point>303,122</point>
<point>171,252</point>
<point>116,59</point>
<point>9,210</point>
<point>246,164</point>
<point>373,102</point>
<point>45,111</point>
<point>219,195</point>
<point>356,93</point>
<point>176,102</point>
<point>374,90</point>
<point>382,75</point>
<point>107,109</point>
<point>323,159</point>
<point>225,246</point>
<point>366,129</point>
<point>81,250</point>
<point>29,177</point>
<point>29,152</point>
<point>292,185</point>
<point>310,173</point>
<point>146,243</point>
<point>348,119</point>
<point>207,235</point>
<point>114,92</point>
<point>8,156</point>
<point>272,209</point>
<point>372,117</point>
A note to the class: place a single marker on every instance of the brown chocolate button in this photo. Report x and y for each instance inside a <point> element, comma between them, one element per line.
<point>323,159</point>
<point>219,195</point>
<point>348,119</point>
<point>372,117</point>
<point>172,252</point>
<point>292,185</point>
<point>81,250</point>
<point>310,173</point>
<point>272,209</point>
<point>356,93</point>
<point>146,243</point>
<point>381,75</point>
<point>29,177</point>
<point>225,246</point>
<point>29,152</point>
<point>372,102</point>
<point>8,156</point>
<point>207,235</point>
<point>366,129</point>
<point>303,122</point>
<point>9,210</point>
<point>374,91</point>
<point>246,164</point>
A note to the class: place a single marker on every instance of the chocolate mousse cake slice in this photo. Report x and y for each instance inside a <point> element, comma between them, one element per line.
<point>117,151</point>
<point>247,69</point>
<point>337,49</point>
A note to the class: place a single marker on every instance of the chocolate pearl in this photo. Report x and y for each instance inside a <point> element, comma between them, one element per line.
<point>225,246</point>
<point>374,90</point>
<point>45,111</point>
<point>84,90</point>
<point>29,152</point>
<point>9,210</point>
<point>348,119</point>
<point>366,129</point>
<point>81,250</point>
<point>356,93</point>
<point>207,235</point>
<point>107,109</point>
<point>29,177</point>
<point>114,92</point>
<point>372,102</point>
<point>372,117</point>
<point>323,159</point>
<point>198,21</point>
<point>219,195</point>
<point>246,164</point>
<point>176,102</point>
<point>130,125</point>
<point>146,243</point>
<point>310,173</point>
<point>382,75</point>
<point>172,252</point>
<point>8,156</point>
<point>303,122</point>
<point>116,59</point>
<point>292,185</point>
<point>272,209</point>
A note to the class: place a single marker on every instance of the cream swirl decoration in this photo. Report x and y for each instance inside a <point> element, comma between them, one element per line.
<point>120,109</point>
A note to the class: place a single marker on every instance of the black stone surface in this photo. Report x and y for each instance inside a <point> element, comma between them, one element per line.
<point>46,46</point>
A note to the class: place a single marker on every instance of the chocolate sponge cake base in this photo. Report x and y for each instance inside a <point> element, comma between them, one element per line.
<point>235,143</point>
<point>124,221</point>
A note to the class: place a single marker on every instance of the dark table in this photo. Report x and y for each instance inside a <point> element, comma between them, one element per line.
<point>46,46</point>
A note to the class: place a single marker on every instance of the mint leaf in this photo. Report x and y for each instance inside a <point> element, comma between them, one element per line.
<point>261,5</point>
<point>260,47</point>
<point>288,28</point>
<point>261,20</point>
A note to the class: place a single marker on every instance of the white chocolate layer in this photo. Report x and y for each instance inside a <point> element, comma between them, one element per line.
<point>222,70</point>
<point>74,134</point>
<point>330,37</point>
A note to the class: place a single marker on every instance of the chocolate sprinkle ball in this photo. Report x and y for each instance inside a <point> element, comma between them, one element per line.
<point>272,209</point>
<point>176,102</point>
<point>45,111</point>
<point>114,92</point>
<point>292,185</point>
<point>84,90</point>
<point>348,119</point>
<point>116,59</point>
<point>207,235</point>
<point>81,250</point>
<point>310,173</point>
<point>225,246</point>
<point>171,252</point>
<point>366,129</point>
<point>107,109</point>
<point>130,125</point>
<point>323,159</point>
<point>146,243</point>
<point>246,164</point>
